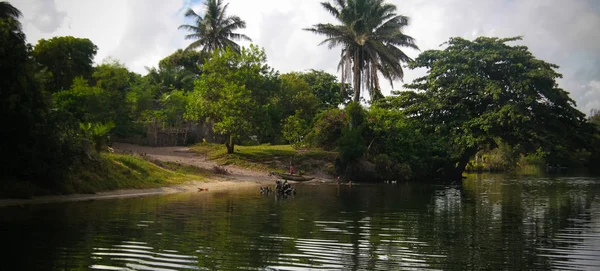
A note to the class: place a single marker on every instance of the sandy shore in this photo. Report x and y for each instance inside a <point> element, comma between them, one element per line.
<point>238,178</point>
<point>126,193</point>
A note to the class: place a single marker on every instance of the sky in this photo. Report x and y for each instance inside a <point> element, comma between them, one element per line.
<point>139,33</point>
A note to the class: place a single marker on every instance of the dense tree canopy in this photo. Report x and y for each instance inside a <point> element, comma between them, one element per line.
<point>484,95</point>
<point>32,145</point>
<point>187,60</point>
<point>477,91</point>
<point>65,58</point>
<point>370,34</point>
<point>7,11</point>
<point>327,88</point>
<point>232,92</point>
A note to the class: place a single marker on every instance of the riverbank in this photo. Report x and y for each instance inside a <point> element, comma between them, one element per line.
<point>189,187</point>
<point>134,171</point>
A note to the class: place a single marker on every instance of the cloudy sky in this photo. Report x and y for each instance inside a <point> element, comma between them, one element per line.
<point>141,32</point>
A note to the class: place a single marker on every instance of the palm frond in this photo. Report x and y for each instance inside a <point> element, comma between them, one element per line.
<point>215,30</point>
<point>370,34</point>
<point>9,11</point>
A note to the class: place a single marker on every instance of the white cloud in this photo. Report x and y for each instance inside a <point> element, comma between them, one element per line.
<point>140,33</point>
<point>136,32</point>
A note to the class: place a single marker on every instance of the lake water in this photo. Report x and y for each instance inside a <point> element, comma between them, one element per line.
<point>489,223</point>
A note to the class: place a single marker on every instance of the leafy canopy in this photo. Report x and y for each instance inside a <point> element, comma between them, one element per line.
<point>65,58</point>
<point>477,91</point>
<point>229,92</point>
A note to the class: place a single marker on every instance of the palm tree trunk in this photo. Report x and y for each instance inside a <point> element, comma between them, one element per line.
<point>356,77</point>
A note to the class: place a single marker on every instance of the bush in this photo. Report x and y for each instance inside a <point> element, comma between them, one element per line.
<point>293,129</point>
<point>326,130</point>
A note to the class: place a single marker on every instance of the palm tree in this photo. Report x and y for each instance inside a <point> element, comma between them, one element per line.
<point>7,11</point>
<point>369,33</point>
<point>215,29</point>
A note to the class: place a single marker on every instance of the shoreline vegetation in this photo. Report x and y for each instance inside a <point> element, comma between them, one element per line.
<point>486,104</point>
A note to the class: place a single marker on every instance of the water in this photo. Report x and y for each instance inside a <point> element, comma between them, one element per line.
<point>492,223</point>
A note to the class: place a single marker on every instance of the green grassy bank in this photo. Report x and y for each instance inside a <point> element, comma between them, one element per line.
<point>109,171</point>
<point>271,157</point>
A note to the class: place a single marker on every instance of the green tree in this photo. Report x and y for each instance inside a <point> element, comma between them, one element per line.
<point>370,34</point>
<point>595,117</point>
<point>65,58</point>
<point>170,78</point>
<point>233,92</point>
<point>297,97</point>
<point>293,129</point>
<point>326,128</point>
<point>174,106</point>
<point>117,81</point>
<point>216,29</point>
<point>33,146</point>
<point>481,90</point>
<point>594,159</point>
<point>7,11</point>
<point>188,60</point>
<point>327,88</point>
<point>84,103</point>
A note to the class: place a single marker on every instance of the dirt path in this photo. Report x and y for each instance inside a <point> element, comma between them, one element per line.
<point>184,155</point>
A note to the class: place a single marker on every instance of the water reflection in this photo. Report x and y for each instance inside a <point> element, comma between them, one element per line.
<point>491,222</point>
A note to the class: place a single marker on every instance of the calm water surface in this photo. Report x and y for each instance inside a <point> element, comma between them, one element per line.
<point>491,223</point>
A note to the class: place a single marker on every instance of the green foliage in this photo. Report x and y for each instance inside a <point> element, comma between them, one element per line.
<point>326,129</point>
<point>141,98</point>
<point>327,88</point>
<point>594,117</point>
<point>170,78</point>
<point>296,97</point>
<point>352,143</point>
<point>65,58</point>
<point>411,153</point>
<point>294,129</point>
<point>97,133</point>
<point>33,138</point>
<point>10,13</point>
<point>114,77</point>
<point>174,106</point>
<point>116,81</point>
<point>187,60</point>
<point>234,92</point>
<point>387,169</point>
<point>84,103</point>
<point>594,158</point>
<point>477,91</point>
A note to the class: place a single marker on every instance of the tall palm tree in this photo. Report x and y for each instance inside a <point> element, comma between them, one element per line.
<point>215,29</point>
<point>369,33</point>
<point>7,11</point>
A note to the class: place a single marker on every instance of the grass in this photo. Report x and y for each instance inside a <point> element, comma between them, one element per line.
<point>121,171</point>
<point>113,171</point>
<point>110,172</point>
<point>270,157</point>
